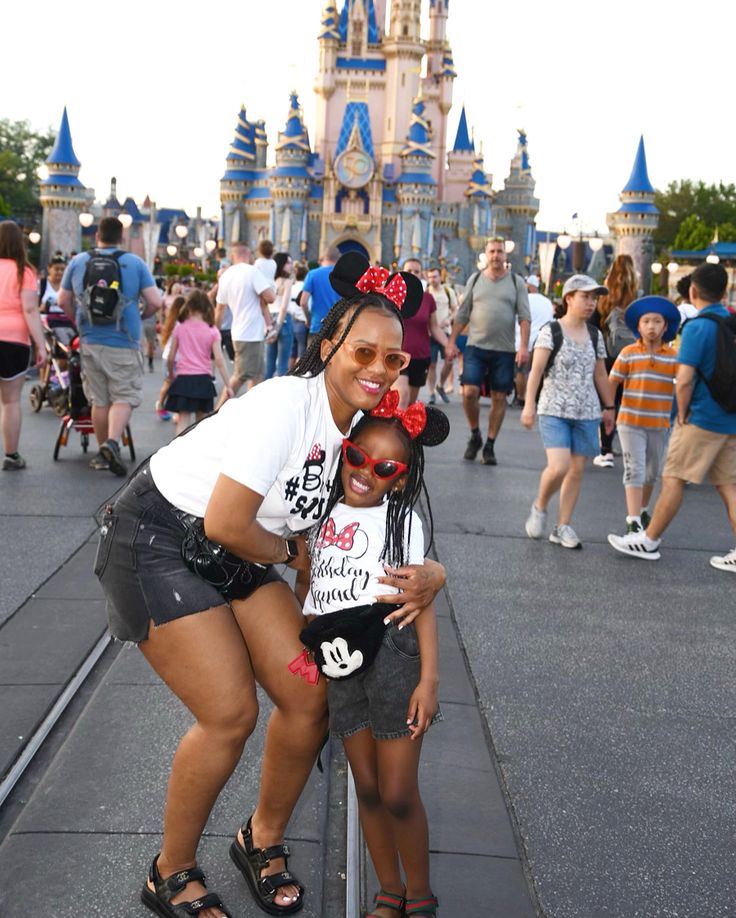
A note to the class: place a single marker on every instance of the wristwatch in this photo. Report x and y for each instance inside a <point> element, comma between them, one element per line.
<point>292,550</point>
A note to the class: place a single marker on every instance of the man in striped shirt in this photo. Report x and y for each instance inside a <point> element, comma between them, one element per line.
<point>647,370</point>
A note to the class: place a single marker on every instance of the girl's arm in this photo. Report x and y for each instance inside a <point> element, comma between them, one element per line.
<point>220,364</point>
<point>423,703</point>
<point>29,304</point>
<point>540,359</point>
<point>171,362</point>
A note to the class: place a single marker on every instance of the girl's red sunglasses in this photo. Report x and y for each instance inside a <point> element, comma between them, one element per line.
<point>357,458</point>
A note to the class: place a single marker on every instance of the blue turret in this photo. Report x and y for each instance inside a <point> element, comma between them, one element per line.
<point>328,26</point>
<point>639,179</point>
<point>416,188</point>
<point>463,142</point>
<point>373,34</point>
<point>290,182</point>
<point>479,186</point>
<point>240,173</point>
<point>418,140</point>
<point>62,197</point>
<point>294,136</point>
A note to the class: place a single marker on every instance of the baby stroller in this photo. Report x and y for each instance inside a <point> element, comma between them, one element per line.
<point>53,379</point>
<point>76,414</point>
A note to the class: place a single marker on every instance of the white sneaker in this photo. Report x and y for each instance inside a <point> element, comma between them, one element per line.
<point>536,523</point>
<point>725,562</point>
<point>637,545</point>
<point>565,536</point>
<point>603,460</point>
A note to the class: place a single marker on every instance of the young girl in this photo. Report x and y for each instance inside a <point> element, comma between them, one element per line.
<point>381,709</point>
<point>172,317</point>
<point>196,342</point>
<point>279,339</point>
<point>569,405</point>
<point>647,370</point>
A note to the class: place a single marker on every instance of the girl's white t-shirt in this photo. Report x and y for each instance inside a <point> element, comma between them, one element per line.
<point>346,562</point>
<point>279,440</point>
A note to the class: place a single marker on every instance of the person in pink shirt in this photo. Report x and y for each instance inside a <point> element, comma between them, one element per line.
<point>195,343</point>
<point>20,323</point>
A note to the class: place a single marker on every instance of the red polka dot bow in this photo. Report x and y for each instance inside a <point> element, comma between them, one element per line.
<point>414,419</point>
<point>374,281</point>
<point>342,539</point>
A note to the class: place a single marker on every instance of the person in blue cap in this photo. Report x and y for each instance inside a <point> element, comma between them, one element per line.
<point>647,371</point>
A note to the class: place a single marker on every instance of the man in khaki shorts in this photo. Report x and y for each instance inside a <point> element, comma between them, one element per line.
<point>703,443</point>
<point>248,292</point>
<point>110,353</point>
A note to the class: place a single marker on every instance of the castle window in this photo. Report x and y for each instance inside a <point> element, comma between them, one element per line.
<point>405,31</point>
<point>403,79</point>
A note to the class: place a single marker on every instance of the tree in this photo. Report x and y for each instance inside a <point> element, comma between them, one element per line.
<point>714,205</point>
<point>693,234</point>
<point>22,151</point>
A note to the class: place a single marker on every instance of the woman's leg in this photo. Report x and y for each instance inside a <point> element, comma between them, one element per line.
<point>10,391</point>
<point>571,488</point>
<point>183,421</point>
<point>271,351</point>
<point>558,463</point>
<point>204,661</point>
<point>270,621</point>
<point>286,337</point>
<point>377,824</point>
<point>398,768</point>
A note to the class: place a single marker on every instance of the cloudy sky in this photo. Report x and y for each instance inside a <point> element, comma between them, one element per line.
<point>153,89</point>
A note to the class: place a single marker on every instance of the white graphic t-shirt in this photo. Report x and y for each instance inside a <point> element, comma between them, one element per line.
<point>346,561</point>
<point>279,440</point>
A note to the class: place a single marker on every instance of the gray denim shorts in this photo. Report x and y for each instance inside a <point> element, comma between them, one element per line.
<point>139,563</point>
<point>379,697</point>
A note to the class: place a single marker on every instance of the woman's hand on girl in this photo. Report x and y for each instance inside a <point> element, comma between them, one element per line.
<point>418,584</point>
<point>422,708</point>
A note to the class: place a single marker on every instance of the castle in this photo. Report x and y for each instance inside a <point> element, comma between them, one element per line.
<point>378,178</point>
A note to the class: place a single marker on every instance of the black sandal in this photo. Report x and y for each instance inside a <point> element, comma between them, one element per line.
<point>160,900</point>
<point>250,861</point>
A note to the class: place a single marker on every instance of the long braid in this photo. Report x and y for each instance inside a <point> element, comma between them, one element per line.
<point>311,363</point>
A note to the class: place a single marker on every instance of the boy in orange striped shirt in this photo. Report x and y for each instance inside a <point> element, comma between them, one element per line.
<point>647,370</point>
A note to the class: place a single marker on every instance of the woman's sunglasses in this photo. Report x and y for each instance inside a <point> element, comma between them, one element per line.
<point>365,354</point>
<point>357,458</point>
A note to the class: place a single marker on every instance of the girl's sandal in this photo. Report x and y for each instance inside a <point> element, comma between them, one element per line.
<point>426,907</point>
<point>383,899</point>
<point>160,900</point>
<point>250,861</point>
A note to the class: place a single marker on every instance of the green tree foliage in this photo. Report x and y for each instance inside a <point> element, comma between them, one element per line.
<point>22,151</point>
<point>727,232</point>
<point>713,205</point>
<point>694,234</point>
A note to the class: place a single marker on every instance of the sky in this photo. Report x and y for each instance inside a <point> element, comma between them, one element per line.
<point>153,90</point>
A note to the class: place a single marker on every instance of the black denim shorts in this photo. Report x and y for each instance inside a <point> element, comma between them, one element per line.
<point>379,697</point>
<point>139,563</point>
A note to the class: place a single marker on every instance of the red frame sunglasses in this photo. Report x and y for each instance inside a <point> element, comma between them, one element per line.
<point>365,354</point>
<point>357,458</point>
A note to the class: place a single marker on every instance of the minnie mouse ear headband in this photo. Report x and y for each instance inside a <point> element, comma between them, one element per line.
<point>353,275</point>
<point>659,304</point>
<point>429,426</point>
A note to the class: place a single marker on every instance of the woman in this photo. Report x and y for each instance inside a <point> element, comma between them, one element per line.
<point>572,373</point>
<point>257,472</point>
<point>299,320</point>
<point>20,323</point>
<point>279,339</point>
<point>623,288</point>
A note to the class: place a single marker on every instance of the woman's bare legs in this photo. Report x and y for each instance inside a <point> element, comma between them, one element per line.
<point>570,490</point>
<point>10,390</point>
<point>204,661</point>
<point>270,621</point>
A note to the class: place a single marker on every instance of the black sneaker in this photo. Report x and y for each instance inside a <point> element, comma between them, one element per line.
<point>474,444</point>
<point>111,451</point>
<point>488,457</point>
<point>98,463</point>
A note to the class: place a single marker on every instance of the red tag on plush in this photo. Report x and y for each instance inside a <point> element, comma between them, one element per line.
<point>301,666</point>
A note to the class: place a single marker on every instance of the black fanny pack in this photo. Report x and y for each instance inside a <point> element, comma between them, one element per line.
<point>345,643</point>
<point>232,576</point>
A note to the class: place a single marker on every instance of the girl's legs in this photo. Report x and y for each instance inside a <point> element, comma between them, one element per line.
<point>570,489</point>
<point>204,661</point>
<point>183,421</point>
<point>558,464</point>
<point>286,337</point>
<point>270,622</point>
<point>635,500</point>
<point>10,391</point>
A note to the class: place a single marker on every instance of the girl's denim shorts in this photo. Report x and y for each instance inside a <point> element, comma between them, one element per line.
<point>379,698</point>
<point>579,436</point>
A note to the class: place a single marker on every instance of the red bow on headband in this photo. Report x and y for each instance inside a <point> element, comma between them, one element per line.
<point>414,419</point>
<point>374,281</point>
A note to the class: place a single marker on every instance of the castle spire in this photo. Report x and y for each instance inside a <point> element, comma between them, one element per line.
<point>463,143</point>
<point>357,11</point>
<point>294,136</point>
<point>639,178</point>
<point>63,152</point>
<point>418,140</point>
<point>328,25</point>
<point>62,196</point>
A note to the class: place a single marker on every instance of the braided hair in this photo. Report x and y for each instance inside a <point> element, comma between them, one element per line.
<point>400,502</point>
<point>311,363</point>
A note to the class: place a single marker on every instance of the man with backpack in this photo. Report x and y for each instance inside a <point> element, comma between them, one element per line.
<point>106,284</point>
<point>494,299</point>
<point>703,442</point>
